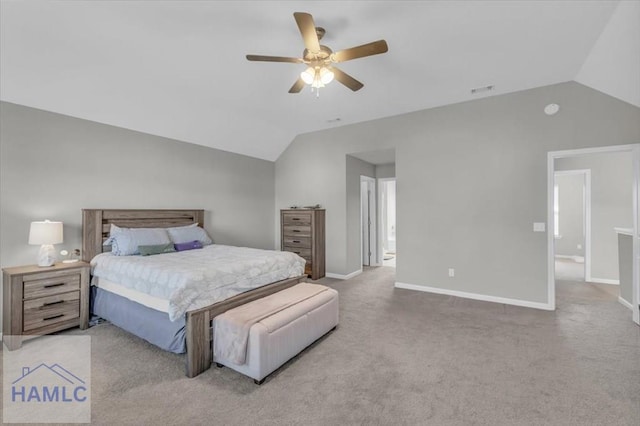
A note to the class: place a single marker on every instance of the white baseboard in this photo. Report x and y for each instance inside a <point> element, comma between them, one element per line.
<point>343,277</point>
<point>604,281</point>
<point>625,303</point>
<point>474,296</point>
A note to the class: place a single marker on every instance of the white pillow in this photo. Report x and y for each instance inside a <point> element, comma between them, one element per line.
<point>187,234</point>
<point>125,241</point>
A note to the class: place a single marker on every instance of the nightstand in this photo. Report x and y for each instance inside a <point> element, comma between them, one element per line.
<point>39,301</point>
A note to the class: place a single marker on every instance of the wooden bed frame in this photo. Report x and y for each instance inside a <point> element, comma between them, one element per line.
<point>96,224</point>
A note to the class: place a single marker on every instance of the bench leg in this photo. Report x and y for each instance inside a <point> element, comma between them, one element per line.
<point>259,382</point>
<point>219,365</point>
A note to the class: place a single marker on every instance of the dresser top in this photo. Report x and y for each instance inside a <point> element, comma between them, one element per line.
<point>34,269</point>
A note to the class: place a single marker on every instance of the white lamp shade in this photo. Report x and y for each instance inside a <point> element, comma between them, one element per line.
<point>326,76</point>
<point>45,233</point>
<point>308,75</point>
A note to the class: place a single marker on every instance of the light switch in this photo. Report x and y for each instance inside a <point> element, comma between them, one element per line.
<point>539,227</point>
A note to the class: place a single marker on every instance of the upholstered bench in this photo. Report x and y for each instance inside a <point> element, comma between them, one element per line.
<point>257,338</point>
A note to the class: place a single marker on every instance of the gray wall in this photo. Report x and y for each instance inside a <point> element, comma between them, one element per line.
<point>570,200</point>
<point>386,170</point>
<point>52,166</point>
<point>354,169</point>
<point>471,180</point>
<point>611,205</point>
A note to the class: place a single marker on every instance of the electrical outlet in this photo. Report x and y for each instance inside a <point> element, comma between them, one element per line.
<point>452,272</point>
<point>579,246</point>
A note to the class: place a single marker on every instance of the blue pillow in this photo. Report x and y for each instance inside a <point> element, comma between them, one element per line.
<point>186,234</point>
<point>125,241</point>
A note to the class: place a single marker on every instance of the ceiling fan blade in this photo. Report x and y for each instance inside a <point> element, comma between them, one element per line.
<point>346,79</point>
<point>308,30</point>
<point>297,86</point>
<point>369,49</point>
<point>274,59</point>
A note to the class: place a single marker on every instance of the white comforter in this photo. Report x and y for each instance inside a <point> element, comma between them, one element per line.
<point>193,279</point>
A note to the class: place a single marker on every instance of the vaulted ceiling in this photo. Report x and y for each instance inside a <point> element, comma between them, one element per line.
<point>178,69</point>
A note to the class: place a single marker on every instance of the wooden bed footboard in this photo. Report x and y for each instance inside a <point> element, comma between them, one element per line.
<point>199,333</point>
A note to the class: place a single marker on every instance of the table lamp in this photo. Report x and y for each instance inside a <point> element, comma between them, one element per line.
<point>46,234</point>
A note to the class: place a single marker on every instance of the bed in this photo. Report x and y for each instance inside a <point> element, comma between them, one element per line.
<point>191,325</point>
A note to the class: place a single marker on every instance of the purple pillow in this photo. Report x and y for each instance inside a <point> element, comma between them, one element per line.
<point>188,246</point>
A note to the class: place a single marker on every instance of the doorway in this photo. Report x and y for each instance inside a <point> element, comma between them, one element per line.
<point>572,224</point>
<point>602,271</point>
<point>387,229</point>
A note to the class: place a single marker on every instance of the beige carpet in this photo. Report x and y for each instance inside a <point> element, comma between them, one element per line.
<point>400,357</point>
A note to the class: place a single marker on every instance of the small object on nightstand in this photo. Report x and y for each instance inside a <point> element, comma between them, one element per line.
<point>74,257</point>
<point>40,301</point>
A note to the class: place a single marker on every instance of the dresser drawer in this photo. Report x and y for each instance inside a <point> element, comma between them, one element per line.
<point>302,252</point>
<point>295,218</point>
<point>51,286</point>
<point>296,231</point>
<point>46,311</point>
<point>297,242</point>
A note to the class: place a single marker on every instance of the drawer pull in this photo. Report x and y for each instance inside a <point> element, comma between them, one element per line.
<point>296,230</point>
<point>52,303</point>
<point>295,218</point>
<point>53,285</point>
<point>296,241</point>
<point>52,317</point>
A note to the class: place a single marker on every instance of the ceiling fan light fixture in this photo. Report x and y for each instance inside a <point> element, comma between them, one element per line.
<point>326,75</point>
<point>308,75</point>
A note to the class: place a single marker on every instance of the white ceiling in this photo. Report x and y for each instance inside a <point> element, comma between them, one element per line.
<point>178,69</point>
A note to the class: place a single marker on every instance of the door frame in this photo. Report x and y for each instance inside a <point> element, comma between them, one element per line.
<point>373,239</point>
<point>551,156</point>
<point>586,215</point>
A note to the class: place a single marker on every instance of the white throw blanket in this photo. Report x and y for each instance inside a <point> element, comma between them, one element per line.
<point>231,329</point>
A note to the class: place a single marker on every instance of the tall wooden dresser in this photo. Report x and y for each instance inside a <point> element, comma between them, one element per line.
<point>302,232</point>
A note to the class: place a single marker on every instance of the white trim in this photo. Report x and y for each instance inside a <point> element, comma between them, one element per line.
<point>373,239</point>
<point>625,303</point>
<point>635,277</point>
<point>624,231</point>
<point>343,277</point>
<point>551,156</point>
<point>475,296</point>
<point>604,281</point>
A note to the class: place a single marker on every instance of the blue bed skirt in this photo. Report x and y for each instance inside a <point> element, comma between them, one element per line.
<point>146,323</point>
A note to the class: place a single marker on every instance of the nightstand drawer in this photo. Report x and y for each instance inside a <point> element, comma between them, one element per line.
<point>303,242</point>
<point>296,231</point>
<point>51,286</point>
<point>51,310</point>
<point>302,218</point>
<point>302,252</point>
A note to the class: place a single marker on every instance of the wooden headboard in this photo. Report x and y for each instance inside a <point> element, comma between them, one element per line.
<point>96,224</point>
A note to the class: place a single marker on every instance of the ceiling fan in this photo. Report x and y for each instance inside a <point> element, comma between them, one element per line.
<point>320,59</point>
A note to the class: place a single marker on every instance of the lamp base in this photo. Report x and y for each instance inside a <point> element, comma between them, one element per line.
<point>47,255</point>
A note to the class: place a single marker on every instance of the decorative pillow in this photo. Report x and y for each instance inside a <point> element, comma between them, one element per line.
<point>125,241</point>
<point>186,234</point>
<point>156,249</point>
<point>188,246</point>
